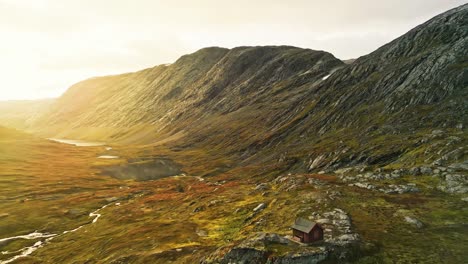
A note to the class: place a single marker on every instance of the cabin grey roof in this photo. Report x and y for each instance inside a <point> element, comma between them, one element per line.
<point>303,225</point>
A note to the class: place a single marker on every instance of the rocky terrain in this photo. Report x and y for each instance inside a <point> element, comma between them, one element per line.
<point>224,148</point>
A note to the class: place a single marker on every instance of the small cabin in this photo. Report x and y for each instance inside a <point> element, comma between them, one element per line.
<point>306,231</point>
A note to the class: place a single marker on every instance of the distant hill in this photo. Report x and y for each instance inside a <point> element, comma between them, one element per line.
<point>21,113</point>
<point>349,61</point>
<point>12,134</point>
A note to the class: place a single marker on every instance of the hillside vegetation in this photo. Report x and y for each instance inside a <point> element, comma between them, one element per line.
<point>218,153</point>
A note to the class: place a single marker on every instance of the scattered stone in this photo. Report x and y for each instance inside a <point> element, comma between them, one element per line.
<point>347,239</point>
<point>111,199</point>
<point>316,182</point>
<point>317,162</point>
<point>415,171</point>
<point>343,170</point>
<point>323,221</point>
<point>4,215</point>
<point>259,208</point>
<point>214,202</point>
<point>414,221</point>
<point>199,209</point>
<point>364,185</point>
<point>201,233</point>
<point>425,170</point>
<point>262,187</point>
<point>400,189</point>
<point>75,213</point>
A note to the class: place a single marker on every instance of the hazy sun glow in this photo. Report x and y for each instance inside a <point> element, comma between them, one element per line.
<point>47,45</point>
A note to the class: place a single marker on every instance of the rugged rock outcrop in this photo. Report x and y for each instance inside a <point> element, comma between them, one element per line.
<point>340,244</point>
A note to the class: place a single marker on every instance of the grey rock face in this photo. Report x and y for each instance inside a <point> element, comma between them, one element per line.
<point>301,258</point>
<point>463,166</point>
<point>254,250</point>
<point>455,183</point>
<point>347,239</point>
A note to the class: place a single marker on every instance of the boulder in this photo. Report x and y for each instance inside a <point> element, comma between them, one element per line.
<point>3,215</point>
<point>425,170</point>
<point>111,199</point>
<point>455,183</point>
<point>259,208</point>
<point>414,221</point>
<point>262,187</point>
<point>415,171</point>
<point>317,162</point>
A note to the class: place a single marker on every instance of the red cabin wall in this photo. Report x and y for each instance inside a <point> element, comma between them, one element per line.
<point>308,238</point>
<point>316,234</point>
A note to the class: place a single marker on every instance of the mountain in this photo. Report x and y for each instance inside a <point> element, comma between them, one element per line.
<point>197,91</point>
<point>383,103</point>
<point>287,103</point>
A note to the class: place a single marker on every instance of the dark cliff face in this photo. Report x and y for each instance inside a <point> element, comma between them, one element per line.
<point>274,103</point>
<point>424,67</point>
<point>373,109</point>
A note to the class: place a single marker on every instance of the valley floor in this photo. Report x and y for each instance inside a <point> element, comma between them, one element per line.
<point>51,188</point>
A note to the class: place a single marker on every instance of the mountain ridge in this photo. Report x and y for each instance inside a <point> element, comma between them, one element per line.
<point>280,99</point>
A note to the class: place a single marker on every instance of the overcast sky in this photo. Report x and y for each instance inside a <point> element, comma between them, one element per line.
<point>47,45</point>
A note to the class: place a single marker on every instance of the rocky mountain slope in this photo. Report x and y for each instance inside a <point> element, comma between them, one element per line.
<point>300,106</point>
<point>198,88</point>
<point>389,98</point>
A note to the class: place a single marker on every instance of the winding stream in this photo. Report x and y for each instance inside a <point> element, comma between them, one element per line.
<point>26,251</point>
